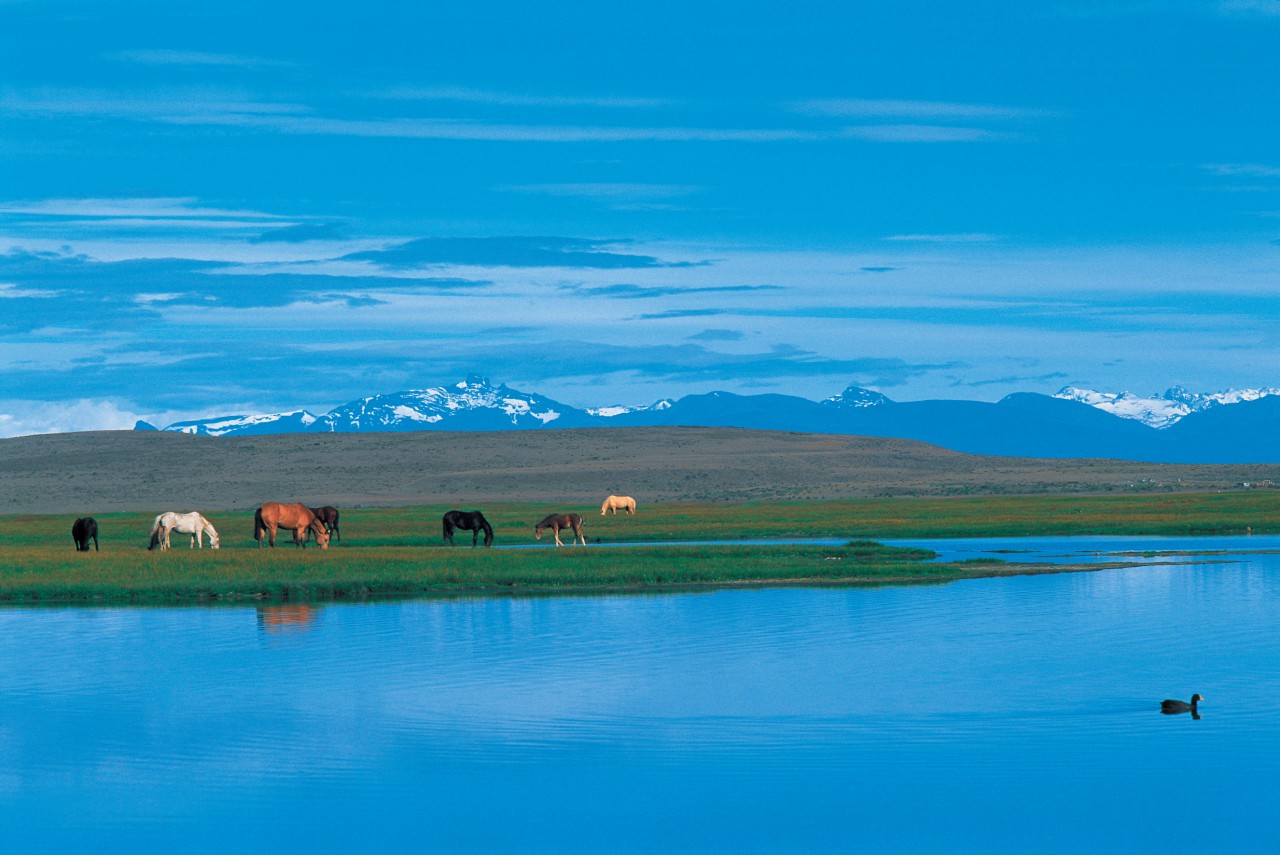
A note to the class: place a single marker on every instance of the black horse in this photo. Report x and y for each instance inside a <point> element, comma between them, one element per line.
<point>329,516</point>
<point>82,531</point>
<point>472,521</point>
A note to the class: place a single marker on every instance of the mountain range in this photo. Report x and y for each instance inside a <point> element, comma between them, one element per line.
<point>1177,427</point>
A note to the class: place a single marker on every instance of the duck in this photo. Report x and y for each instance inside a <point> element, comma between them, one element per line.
<point>1168,706</point>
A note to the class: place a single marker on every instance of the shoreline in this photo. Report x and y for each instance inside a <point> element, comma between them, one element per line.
<point>357,593</point>
<point>397,552</point>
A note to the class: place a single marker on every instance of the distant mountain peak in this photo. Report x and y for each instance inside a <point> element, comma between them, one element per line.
<point>620,410</point>
<point>855,397</point>
<point>1076,422</point>
<point>1161,411</point>
<point>296,420</point>
<point>473,403</point>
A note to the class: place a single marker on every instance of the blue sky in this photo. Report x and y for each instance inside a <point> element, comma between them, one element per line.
<point>212,208</point>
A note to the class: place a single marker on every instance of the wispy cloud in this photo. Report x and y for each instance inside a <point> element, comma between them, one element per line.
<point>129,208</point>
<point>623,291</point>
<point>302,233</point>
<point>231,109</point>
<point>467,130</point>
<point>517,251</point>
<point>1264,8</point>
<point>1246,170</point>
<point>9,291</point>
<point>606,192</point>
<point>870,108</point>
<point>465,94</point>
<point>717,335</point>
<point>963,237</point>
<point>161,105</point>
<point>924,134</point>
<point>197,58</point>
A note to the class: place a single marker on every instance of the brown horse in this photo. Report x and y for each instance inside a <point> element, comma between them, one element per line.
<point>298,517</point>
<point>329,516</point>
<point>556,522</point>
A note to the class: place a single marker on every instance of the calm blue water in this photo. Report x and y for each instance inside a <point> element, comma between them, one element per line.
<point>1001,715</point>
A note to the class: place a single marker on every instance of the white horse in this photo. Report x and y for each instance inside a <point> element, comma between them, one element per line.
<point>612,503</point>
<point>193,524</point>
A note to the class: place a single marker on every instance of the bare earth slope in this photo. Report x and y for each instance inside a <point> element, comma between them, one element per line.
<point>104,471</point>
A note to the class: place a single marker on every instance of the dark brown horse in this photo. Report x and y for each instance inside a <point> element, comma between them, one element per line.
<point>82,531</point>
<point>329,516</point>
<point>298,517</point>
<point>556,522</point>
<point>472,521</point>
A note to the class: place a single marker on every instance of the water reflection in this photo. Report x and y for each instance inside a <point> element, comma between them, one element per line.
<point>900,719</point>
<point>292,619</point>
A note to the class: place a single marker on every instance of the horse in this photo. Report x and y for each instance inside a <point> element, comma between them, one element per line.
<point>329,516</point>
<point>298,517</point>
<point>193,524</point>
<point>612,503</point>
<point>82,531</point>
<point>556,522</point>
<point>472,521</point>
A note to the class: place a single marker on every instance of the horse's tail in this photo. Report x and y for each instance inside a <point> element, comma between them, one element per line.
<point>258,526</point>
<point>155,535</point>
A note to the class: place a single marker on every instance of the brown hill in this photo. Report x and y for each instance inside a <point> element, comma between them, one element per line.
<point>103,471</point>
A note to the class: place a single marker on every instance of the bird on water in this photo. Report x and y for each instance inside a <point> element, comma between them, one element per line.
<point>1181,706</point>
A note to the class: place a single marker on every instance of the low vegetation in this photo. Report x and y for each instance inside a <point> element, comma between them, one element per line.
<point>398,551</point>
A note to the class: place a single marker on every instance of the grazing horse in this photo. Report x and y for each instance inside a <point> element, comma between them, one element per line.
<point>82,531</point>
<point>612,503</point>
<point>556,522</point>
<point>472,521</point>
<point>329,516</point>
<point>193,524</point>
<point>298,517</point>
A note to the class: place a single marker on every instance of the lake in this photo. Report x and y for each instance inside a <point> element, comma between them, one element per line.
<point>996,715</point>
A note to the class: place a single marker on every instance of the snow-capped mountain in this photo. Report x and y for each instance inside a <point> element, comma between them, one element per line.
<point>856,398</point>
<point>1238,426</point>
<point>1161,411</point>
<point>473,404</point>
<point>619,410</point>
<point>296,421</point>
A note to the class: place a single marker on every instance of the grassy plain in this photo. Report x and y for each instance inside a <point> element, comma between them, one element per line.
<point>398,551</point>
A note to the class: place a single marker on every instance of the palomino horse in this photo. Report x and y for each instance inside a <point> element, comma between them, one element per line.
<point>329,516</point>
<point>82,531</point>
<point>298,517</point>
<point>612,503</point>
<point>472,521</point>
<point>193,524</point>
<point>556,522</point>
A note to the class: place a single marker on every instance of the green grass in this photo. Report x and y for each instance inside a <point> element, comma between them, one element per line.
<point>293,574</point>
<point>398,551</point>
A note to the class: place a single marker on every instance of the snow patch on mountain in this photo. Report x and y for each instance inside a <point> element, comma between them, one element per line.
<point>1161,411</point>
<point>226,425</point>
<point>855,398</point>
<point>619,410</point>
<point>475,396</point>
